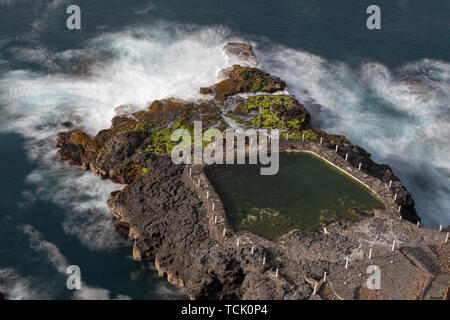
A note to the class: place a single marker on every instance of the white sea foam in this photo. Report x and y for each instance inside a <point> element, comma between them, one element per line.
<point>60,263</point>
<point>17,286</point>
<point>169,292</point>
<point>401,116</point>
<point>143,10</point>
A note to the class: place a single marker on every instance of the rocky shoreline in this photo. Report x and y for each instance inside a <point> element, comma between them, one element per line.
<point>166,211</point>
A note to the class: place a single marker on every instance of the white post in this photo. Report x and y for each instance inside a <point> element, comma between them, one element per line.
<point>325,277</point>
<point>303,137</point>
<point>346,156</point>
<point>190,171</point>
<point>224,231</point>
<point>321,140</point>
<point>370,254</point>
<point>213,205</point>
<point>337,146</point>
<point>446,238</point>
<point>440,228</point>
<point>207,194</point>
<point>198,182</point>
<point>346,263</point>
<point>215,220</point>
<point>395,196</point>
<point>390,183</point>
<point>238,240</point>
<point>359,168</point>
<point>264,261</point>
<point>315,289</point>
<point>253,249</point>
<point>393,245</point>
<point>418,224</point>
<point>276,273</point>
<point>287,136</point>
<point>399,208</point>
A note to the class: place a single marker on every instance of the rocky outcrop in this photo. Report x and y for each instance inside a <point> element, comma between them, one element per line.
<point>164,208</point>
<point>243,51</point>
<point>241,79</point>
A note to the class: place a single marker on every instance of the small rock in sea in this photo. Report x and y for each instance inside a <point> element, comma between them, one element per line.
<point>67,124</point>
<point>244,51</point>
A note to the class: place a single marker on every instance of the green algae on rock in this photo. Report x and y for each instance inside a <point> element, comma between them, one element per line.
<point>280,112</point>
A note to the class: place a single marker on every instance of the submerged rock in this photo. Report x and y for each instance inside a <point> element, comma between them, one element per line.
<point>243,51</point>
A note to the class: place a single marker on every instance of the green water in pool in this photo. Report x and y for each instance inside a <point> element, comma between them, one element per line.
<point>305,194</point>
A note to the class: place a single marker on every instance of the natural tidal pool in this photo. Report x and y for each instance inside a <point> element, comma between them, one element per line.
<point>305,194</point>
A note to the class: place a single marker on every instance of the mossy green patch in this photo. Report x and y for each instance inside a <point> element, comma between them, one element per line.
<point>307,135</point>
<point>280,112</point>
<point>79,138</point>
<point>245,79</point>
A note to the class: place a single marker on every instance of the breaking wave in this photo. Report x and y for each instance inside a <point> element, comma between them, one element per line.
<point>400,115</point>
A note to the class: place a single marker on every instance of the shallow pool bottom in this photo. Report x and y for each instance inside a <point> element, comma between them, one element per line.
<point>305,194</point>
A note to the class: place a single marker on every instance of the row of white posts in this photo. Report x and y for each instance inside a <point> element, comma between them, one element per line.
<point>325,274</point>
<point>440,230</point>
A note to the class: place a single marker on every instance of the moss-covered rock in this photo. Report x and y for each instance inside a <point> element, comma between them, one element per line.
<point>281,112</point>
<point>79,138</point>
<point>246,79</point>
<point>308,135</point>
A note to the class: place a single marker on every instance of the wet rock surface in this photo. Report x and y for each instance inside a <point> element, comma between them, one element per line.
<point>164,208</point>
<point>243,51</point>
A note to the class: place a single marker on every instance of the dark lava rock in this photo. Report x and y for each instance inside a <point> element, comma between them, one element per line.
<point>205,90</point>
<point>67,124</point>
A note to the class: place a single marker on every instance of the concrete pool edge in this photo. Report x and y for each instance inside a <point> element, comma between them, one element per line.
<point>195,177</point>
<point>345,173</point>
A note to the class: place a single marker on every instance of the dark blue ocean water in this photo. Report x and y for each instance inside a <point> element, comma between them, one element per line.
<point>387,90</point>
